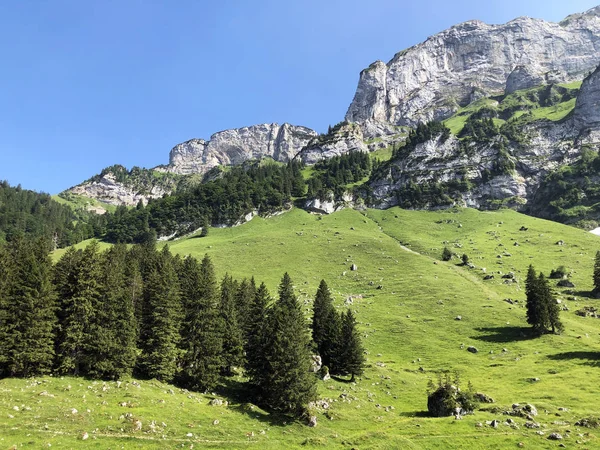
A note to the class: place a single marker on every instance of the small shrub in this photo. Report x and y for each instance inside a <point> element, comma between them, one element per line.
<point>559,272</point>
<point>447,254</point>
<point>448,399</point>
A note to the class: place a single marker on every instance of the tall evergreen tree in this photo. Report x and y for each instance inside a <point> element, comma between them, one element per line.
<point>550,307</point>
<point>351,357</point>
<point>243,302</point>
<point>596,290</point>
<point>535,307</point>
<point>78,282</point>
<point>202,342</point>
<point>256,339</point>
<point>114,330</point>
<point>325,326</point>
<point>6,277</point>
<point>233,340</point>
<point>28,310</point>
<point>288,385</point>
<point>160,332</point>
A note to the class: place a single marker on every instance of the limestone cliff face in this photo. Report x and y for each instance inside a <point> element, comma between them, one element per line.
<point>344,139</point>
<point>586,116</point>
<point>468,61</point>
<point>117,186</point>
<point>197,156</point>
<point>233,147</point>
<point>546,146</point>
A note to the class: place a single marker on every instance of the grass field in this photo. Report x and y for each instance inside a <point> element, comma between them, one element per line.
<point>407,301</point>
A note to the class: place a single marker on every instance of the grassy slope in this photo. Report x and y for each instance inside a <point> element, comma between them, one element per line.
<point>81,202</point>
<point>408,324</point>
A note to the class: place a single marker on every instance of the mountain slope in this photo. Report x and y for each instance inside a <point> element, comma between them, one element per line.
<point>408,327</point>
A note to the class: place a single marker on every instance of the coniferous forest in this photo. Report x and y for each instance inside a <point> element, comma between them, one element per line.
<point>145,312</point>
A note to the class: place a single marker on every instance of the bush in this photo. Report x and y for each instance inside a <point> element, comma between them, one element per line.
<point>448,399</point>
<point>559,272</point>
<point>447,254</point>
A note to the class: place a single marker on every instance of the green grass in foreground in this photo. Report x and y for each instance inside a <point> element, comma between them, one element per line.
<point>409,330</point>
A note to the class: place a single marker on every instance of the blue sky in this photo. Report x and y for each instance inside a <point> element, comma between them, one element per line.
<point>87,84</point>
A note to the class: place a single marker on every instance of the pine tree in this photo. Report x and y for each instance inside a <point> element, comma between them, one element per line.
<point>550,307</point>
<point>233,340</point>
<point>447,254</point>
<point>205,227</point>
<point>161,320</point>
<point>326,327</point>
<point>28,310</point>
<point>243,302</point>
<point>78,281</point>
<point>352,358</point>
<point>288,385</point>
<point>535,308</point>
<point>202,342</point>
<point>114,325</point>
<point>596,290</point>
<point>256,338</point>
<point>6,277</point>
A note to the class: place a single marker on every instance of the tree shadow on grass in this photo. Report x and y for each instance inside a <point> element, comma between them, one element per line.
<point>589,358</point>
<point>236,392</point>
<point>585,294</point>
<point>505,334</point>
<point>415,414</point>
<point>341,380</point>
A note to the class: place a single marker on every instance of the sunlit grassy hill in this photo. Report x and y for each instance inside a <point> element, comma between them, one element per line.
<point>407,302</point>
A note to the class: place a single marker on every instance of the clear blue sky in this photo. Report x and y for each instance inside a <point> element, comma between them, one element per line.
<point>87,84</point>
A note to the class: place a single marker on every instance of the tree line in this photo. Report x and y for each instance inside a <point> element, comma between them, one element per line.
<point>151,314</point>
<point>25,213</point>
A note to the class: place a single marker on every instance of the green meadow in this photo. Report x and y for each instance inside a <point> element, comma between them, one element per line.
<point>407,302</point>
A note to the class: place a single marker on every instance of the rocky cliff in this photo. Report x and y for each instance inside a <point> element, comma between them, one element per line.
<point>503,166</point>
<point>233,147</point>
<point>431,80</point>
<point>343,138</point>
<point>117,186</point>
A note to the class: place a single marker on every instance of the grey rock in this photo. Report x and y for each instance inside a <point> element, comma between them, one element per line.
<point>457,66</point>
<point>233,147</point>
<point>555,437</point>
<point>348,138</point>
<point>472,349</point>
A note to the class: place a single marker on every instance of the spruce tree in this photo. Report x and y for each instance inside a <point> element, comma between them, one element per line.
<point>551,311</point>
<point>78,282</point>
<point>6,277</point>
<point>288,385</point>
<point>256,339</point>
<point>160,332</point>
<point>596,290</point>
<point>233,340</point>
<point>202,342</point>
<point>326,327</point>
<point>114,327</point>
<point>243,302</point>
<point>28,310</point>
<point>534,305</point>
<point>351,352</point>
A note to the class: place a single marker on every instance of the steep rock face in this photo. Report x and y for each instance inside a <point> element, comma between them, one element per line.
<point>455,67</point>
<point>474,170</point>
<point>345,139</point>
<point>232,147</point>
<point>106,188</point>
<point>587,108</point>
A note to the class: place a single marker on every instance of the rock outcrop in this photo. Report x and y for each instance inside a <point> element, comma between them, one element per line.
<point>471,176</point>
<point>343,139</point>
<point>431,80</point>
<point>107,189</point>
<point>233,147</point>
<point>586,115</point>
